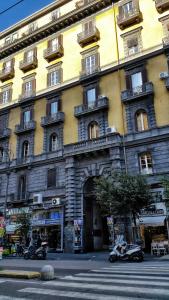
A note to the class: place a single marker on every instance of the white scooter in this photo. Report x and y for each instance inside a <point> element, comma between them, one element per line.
<point>124,251</point>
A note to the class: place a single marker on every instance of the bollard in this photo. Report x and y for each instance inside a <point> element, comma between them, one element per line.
<point>47,273</point>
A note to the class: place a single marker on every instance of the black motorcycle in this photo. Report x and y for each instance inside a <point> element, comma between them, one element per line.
<point>36,253</point>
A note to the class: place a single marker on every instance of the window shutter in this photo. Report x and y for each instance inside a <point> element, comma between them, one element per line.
<point>1,96</point>
<point>144,75</point>
<point>48,110</point>
<point>35,52</point>
<point>12,62</point>
<point>60,40</point>
<point>34,85</point>
<point>9,95</point>
<point>135,5</point>
<point>128,81</point>
<point>83,65</point>
<point>25,56</point>
<point>49,44</point>
<point>97,61</point>
<point>23,89</point>
<point>121,12</point>
<point>60,75</point>
<point>48,79</point>
<point>31,113</point>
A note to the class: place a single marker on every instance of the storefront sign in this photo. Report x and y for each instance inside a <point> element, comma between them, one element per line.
<point>17,211</point>
<point>46,222</point>
<point>152,212</point>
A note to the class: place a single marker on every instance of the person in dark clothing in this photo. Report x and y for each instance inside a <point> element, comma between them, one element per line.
<point>39,241</point>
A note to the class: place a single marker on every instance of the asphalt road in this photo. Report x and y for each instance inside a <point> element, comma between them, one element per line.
<point>94,281</point>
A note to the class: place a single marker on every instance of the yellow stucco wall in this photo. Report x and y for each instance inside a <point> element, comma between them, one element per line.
<point>39,111</point>
<point>14,119</point>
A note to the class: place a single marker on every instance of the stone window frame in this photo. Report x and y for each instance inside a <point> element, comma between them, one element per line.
<point>88,86</point>
<point>165,25</point>
<point>131,35</point>
<point>7,87</point>
<point>50,100</point>
<point>22,176</point>
<point>97,130</point>
<point>87,21</point>
<point>55,14</point>
<point>30,108</point>
<point>50,185</point>
<point>28,78</point>
<point>56,67</point>
<point>54,134</point>
<point>24,143</point>
<point>141,110</point>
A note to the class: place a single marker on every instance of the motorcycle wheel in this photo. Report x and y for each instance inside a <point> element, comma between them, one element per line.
<point>137,258</point>
<point>26,256</point>
<point>44,256</point>
<point>112,258</point>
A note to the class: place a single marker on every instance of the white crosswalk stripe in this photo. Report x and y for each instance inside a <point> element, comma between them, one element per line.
<point>123,282</point>
<point>12,298</point>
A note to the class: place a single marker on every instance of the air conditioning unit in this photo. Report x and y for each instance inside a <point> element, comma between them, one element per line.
<point>37,199</point>
<point>56,201</point>
<point>101,96</point>
<point>111,130</point>
<point>163,75</point>
<point>132,50</point>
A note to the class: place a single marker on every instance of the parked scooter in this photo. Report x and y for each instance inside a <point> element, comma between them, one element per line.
<point>127,252</point>
<point>33,253</point>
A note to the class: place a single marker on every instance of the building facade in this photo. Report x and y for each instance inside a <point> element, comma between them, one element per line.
<point>84,92</point>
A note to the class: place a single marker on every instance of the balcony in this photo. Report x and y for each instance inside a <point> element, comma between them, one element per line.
<point>100,104</point>
<point>7,74</point>
<point>99,144</point>
<point>27,127</point>
<point>161,5</point>
<point>139,92</point>
<point>89,72</point>
<point>131,17</point>
<point>52,53</point>
<point>27,94</point>
<point>52,119</point>
<point>82,3</point>
<point>86,37</point>
<point>5,133</point>
<point>14,198</point>
<point>167,83</point>
<point>28,64</point>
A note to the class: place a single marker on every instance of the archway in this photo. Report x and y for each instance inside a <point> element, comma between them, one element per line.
<point>96,235</point>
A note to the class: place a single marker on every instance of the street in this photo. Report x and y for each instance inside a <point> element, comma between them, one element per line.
<point>93,280</point>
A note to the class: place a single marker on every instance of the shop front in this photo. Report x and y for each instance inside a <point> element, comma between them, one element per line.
<point>47,223</point>
<point>153,226</point>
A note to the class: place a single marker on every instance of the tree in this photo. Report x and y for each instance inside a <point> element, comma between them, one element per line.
<point>24,221</point>
<point>165,183</point>
<point>122,195</point>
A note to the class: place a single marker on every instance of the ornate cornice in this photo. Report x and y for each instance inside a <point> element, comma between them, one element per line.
<point>54,26</point>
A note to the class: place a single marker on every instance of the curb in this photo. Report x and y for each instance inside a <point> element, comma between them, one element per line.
<point>19,274</point>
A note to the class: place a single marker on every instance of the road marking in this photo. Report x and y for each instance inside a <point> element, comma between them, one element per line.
<point>78,295</point>
<point>141,269</point>
<point>124,281</point>
<point>129,272</point>
<point>12,298</point>
<point>105,287</point>
<point>121,275</point>
<point>2,280</point>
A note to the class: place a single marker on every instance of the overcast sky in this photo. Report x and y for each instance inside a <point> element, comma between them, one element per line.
<point>20,11</point>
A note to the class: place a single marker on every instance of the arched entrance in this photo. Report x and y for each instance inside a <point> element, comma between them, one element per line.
<point>96,235</point>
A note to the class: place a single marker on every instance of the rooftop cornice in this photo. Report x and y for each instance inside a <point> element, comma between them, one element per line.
<point>54,26</point>
<point>40,13</point>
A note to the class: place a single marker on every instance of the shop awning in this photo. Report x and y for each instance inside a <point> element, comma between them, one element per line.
<point>10,229</point>
<point>152,221</point>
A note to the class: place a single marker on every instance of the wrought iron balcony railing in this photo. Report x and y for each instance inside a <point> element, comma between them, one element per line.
<point>28,64</point>
<point>28,126</point>
<point>101,103</point>
<point>131,17</point>
<point>5,133</point>
<point>137,92</point>
<point>7,73</point>
<point>161,5</point>
<point>53,52</point>
<point>52,119</point>
<point>86,37</point>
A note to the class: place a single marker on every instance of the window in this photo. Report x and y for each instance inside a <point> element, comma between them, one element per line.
<point>141,120</point>
<point>54,44</point>
<point>53,108</point>
<point>91,97</point>
<point>90,64</point>
<point>51,178</point>
<point>32,27</point>
<point>7,40</point>
<point>30,55</point>
<point>132,46</point>
<point>127,8</point>
<point>26,117</point>
<point>5,96</point>
<point>22,188</point>
<point>14,36</point>
<point>54,78</point>
<point>55,14</point>
<point>146,163</point>
<point>25,150</point>
<point>136,81</point>
<point>7,66</point>
<point>88,27</point>
<point>93,130</point>
<point>53,142</point>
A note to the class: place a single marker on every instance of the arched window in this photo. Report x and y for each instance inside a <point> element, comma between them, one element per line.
<point>93,130</point>
<point>141,120</point>
<point>25,149</point>
<point>53,142</point>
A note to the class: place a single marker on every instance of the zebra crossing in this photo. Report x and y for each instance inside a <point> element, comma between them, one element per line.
<point>117,282</point>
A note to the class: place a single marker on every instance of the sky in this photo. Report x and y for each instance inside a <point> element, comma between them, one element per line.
<point>20,11</point>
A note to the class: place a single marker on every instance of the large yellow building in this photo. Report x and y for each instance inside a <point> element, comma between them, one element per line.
<point>84,91</point>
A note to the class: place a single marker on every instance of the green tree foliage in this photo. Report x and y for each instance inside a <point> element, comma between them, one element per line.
<point>165,183</point>
<point>24,220</point>
<point>122,194</point>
